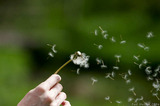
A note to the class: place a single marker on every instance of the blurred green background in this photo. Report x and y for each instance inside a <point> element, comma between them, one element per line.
<point>26,26</point>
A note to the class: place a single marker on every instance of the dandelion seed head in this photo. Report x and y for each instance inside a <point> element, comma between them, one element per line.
<point>145,61</point>
<point>148,70</point>
<point>99,61</point>
<point>155,94</point>
<point>80,59</point>
<point>100,46</point>
<point>150,35</point>
<point>94,80</point>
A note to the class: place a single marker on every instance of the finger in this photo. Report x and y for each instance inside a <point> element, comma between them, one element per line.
<point>59,99</point>
<point>55,91</point>
<point>66,103</point>
<point>50,82</point>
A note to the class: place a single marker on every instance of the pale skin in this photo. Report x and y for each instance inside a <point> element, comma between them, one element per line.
<point>48,93</point>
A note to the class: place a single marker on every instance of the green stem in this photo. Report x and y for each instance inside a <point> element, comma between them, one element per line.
<point>63,66</point>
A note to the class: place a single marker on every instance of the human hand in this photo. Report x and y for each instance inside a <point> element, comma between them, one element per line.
<point>48,93</point>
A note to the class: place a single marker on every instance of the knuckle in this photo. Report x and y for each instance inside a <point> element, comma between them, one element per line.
<point>41,88</point>
<point>64,95</point>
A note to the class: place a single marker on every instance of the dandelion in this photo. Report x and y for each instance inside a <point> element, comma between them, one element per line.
<point>94,80</point>
<point>118,57</point>
<point>150,35</point>
<point>95,32</point>
<point>108,99</point>
<point>148,70</point>
<point>130,99</point>
<point>136,57</point>
<point>115,67</point>
<point>109,75</point>
<point>78,70</point>
<point>50,54</point>
<point>156,95</point>
<point>99,46</point>
<point>132,90</point>
<point>102,31</point>
<point>113,39</point>
<point>77,58</point>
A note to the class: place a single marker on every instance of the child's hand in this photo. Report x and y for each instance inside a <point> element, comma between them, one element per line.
<point>48,93</point>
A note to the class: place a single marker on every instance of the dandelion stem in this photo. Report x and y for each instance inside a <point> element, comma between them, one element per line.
<point>63,66</point>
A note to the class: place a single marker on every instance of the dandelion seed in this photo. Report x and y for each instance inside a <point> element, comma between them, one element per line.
<point>103,65</point>
<point>157,69</point>
<point>147,103</point>
<point>99,46</point>
<point>119,102</point>
<point>113,74</point>
<point>141,98</point>
<point>94,80</point>
<point>156,95</point>
<point>123,42</point>
<point>95,32</point>
<point>146,48</point>
<point>53,49</point>
<point>150,35</point>
<point>132,90</point>
<point>108,99</point>
<point>149,78</point>
<point>145,61</point>
<point>50,54</point>
<point>141,45</point>
<point>105,36</point>
<point>118,57</point>
<point>156,86</point>
<point>115,67</point>
<point>148,70</point>
<point>136,57</point>
<point>78,71</point>
<point>109,75</point>
<point>113,39</point>
<point>129,72</point>
<point>99,61</point>
<point>102,31</point>
<point>128,81</point>
<point>130,99</point>
<point>155,74</point>
<point>136,100</point>
<point>125,76</point>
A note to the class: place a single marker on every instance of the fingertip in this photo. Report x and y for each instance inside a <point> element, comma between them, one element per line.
<point>58,77</point>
